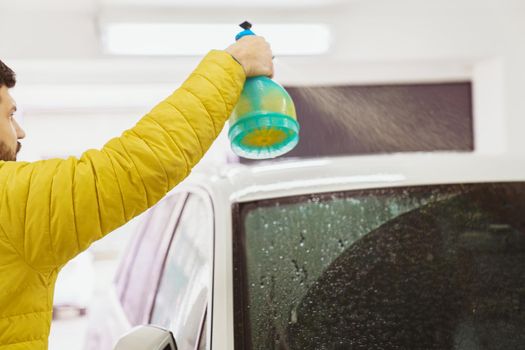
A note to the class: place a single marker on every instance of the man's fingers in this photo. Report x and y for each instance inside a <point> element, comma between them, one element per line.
<point>255,55</point>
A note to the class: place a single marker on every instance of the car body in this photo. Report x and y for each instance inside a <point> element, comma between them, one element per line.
<point>195,269</point>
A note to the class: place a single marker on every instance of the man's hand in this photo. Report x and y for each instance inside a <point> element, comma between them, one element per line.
<point>254,54</point>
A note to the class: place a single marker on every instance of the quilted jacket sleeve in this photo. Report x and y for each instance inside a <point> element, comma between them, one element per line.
<point>52,210</point>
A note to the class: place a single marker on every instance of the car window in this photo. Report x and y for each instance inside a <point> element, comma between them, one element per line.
<point>183,288</point>
<point>126,262</point>
<point>431,267</point>
<point>148,249</point>
<point>121,276</point>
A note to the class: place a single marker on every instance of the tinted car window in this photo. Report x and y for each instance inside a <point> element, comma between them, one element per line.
<point>437,267</point>
<point>183,288</point>
<point>146,262</point>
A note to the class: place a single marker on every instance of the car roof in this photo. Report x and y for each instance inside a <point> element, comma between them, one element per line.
<point>240,183</point>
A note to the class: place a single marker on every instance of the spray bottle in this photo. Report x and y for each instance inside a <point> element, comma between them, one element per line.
<point>263,124</point>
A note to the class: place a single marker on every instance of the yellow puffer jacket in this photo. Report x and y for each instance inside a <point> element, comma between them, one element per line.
<point>54,209</point>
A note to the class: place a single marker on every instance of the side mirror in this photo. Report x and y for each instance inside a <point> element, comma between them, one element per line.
<point>147,338</point>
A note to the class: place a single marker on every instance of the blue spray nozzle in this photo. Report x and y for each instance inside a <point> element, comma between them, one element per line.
<point>246,26</point>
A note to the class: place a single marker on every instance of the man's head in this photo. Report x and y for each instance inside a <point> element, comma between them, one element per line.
<point>10,131</point>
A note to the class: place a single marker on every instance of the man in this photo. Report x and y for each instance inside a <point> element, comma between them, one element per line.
<point>52,210</point>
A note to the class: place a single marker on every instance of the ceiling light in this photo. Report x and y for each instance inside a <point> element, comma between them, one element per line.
<point>208,3</point>
<point>197,39</point>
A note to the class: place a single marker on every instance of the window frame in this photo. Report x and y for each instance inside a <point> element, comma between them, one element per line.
<point>203,329</point>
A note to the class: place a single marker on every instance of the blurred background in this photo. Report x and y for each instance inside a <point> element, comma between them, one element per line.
<point>368,76</point>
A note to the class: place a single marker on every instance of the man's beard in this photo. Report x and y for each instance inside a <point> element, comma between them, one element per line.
<point>8,154</point>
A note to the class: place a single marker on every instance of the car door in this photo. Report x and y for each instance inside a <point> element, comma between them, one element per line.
<point>129,303</point>
<point>184,287</point>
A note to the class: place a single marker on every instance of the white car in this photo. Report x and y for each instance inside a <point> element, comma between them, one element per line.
<point>421,251</point>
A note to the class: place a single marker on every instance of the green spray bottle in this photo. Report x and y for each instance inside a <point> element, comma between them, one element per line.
<point>264,123</point>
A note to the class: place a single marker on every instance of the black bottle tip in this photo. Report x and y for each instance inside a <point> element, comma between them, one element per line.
<point>245,25</point>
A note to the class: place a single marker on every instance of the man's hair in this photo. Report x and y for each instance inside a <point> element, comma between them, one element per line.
<point>7,76</point>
